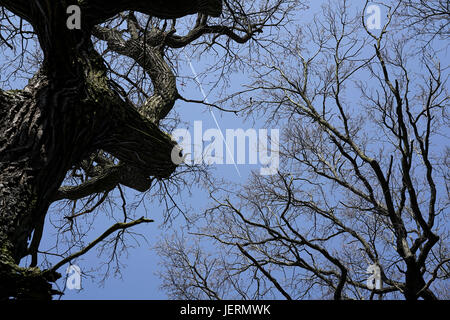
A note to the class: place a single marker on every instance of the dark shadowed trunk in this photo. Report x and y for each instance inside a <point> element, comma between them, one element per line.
<point>67,111</point>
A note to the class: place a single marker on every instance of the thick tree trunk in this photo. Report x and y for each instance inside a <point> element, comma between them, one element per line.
<point>46,129</point>
<point>414,284</point>
<point>41,140</point>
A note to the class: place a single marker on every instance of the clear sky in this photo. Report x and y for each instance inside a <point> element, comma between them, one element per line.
<point>139,279</point>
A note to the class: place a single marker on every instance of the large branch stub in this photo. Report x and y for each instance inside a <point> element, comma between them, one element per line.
<point>139,142</point>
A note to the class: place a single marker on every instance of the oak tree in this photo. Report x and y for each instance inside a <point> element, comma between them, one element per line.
<point>74,118</point>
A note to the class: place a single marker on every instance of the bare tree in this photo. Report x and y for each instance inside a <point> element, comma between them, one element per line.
<point>430,18</point>
<point>363,178</point>
<point>92,115</point>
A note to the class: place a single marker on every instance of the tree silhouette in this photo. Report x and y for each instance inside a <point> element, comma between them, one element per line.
<point>363,178</point>
<point>73,118</point>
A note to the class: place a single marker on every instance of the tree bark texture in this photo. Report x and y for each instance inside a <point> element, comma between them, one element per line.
<point>67,111</point>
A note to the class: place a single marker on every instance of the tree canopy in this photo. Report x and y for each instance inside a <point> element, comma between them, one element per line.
<point>363,177</point>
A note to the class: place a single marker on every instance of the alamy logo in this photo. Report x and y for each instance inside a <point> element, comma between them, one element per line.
<point>211,147</point>
<point>374,280</point>
<point>74,20</point>
<point>74,277</point>
<point>374,19</point>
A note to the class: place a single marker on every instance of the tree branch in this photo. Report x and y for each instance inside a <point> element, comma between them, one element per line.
<point>108,178</point>
<point>98,11</point>
<point>115,227</point>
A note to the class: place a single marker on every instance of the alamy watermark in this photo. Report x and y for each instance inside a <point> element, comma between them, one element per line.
<point>374,280</point>
<point>373,20</point>
<point>73,280</point>
<point>191,150</point>
<point>74,19</point>
<point>235,147</point>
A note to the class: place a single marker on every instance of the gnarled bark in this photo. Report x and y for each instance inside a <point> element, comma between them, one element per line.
<point>67,112</point>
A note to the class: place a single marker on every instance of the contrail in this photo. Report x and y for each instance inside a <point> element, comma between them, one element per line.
<point>212,113</point>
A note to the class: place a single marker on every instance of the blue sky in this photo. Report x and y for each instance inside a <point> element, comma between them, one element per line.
<point>139,279</point>
<point>138,274</point>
